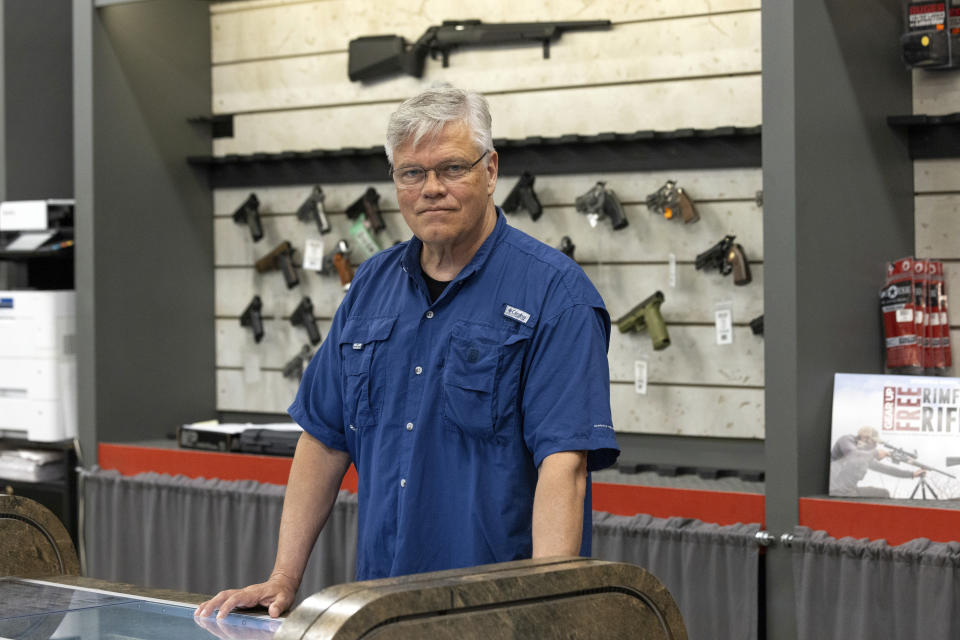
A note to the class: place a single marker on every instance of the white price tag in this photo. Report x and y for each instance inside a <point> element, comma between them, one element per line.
<point>672,274</point>
<point>593,219</point>
<point>251,368</point>
<point>640,377</point>
<point>313,255</point>
<point>723,321</point>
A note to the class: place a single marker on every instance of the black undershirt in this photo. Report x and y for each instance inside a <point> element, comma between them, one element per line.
<point>434,287</point>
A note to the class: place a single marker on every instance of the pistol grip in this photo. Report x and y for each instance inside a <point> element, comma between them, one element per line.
<point>741,267</point>
<point>289,271</point>
<point>687,211</point>
<point>311,325</point>
<point>344,270</point>
<point>657,328</point>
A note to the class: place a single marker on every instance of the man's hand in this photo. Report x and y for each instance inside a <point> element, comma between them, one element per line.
<point>558,504</point>
<point>277,594</point>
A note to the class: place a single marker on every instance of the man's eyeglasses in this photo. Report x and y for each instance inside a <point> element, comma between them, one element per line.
<point>446,172</point>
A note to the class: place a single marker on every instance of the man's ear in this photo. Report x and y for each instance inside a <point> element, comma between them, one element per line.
<point>493,168</point>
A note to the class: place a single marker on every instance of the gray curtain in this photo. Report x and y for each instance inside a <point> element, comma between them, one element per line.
<point>201,535</point>
<point>866,590</point>
<point>712,571</point>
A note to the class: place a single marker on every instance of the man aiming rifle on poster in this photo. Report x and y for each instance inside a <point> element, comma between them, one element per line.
<point>853,455</point>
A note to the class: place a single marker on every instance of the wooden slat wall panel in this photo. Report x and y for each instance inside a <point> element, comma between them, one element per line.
<point>937,175</point>
<point>694,47</point>
<point>622,287</point>
<point>683,410</point>
<point>937,184</point>
<point>281,64</point>
<point>726,184</point>
<point>935,93</point>
<point>253,30</point>
<point>694,357</point>
<point>584,110</point>
<point>281,341</point>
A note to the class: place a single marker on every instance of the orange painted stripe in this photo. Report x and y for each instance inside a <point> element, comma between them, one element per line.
<point>891,522</point>
<point>133,459</point>
<point>720,507</point>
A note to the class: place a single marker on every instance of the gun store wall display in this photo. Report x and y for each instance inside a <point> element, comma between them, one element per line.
<point>916,323</point>
<point>895,437</point>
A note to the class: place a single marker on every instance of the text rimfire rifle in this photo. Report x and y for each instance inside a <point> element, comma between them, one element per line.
<point>339,261</point>
<point>373,57</point>
<point>368,204</point>
<point>249,214</point>
<point>601,202</point>
<point>280,258</point>
<point>294,366</point>
<point>726,256</point>
<point>669,200</point>
<point>312,209</point>
<point>303,317</point>
<point>646,315</point>
<point>251,317</point>
<point>522,196</point>
<point>898,455</point>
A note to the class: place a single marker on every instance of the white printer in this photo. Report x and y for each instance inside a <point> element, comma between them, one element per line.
<point>38,365</point>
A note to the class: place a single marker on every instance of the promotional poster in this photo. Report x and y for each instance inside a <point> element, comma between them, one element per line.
<point>895,437</point>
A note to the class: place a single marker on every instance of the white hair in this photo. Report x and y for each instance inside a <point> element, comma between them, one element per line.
<point>425,115</point>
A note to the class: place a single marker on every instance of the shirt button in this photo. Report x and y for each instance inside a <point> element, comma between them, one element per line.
<point>409,426</point>
<point>403,482</point>
<point>418,370</point>
<point>429,314</point>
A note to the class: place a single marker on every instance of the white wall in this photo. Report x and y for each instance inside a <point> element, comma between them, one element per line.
<point>282,68</point>
<point>937,186</point>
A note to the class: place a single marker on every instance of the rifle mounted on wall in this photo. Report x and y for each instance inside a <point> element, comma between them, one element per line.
<point>374,57</point>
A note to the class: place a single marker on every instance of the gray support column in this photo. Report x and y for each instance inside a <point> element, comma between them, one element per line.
<point>838,204</point>
<point>145,236</point>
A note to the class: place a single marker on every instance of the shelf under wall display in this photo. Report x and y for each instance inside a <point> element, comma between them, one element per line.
<point>723,147</point>
<point>930,137</point>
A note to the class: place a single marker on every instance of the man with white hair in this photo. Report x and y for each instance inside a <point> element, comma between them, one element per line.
<point>464,375</point>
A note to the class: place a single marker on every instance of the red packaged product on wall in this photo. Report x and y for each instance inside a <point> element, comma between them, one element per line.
<point>920,318</point>
<point>903,348</point>
<point>945,341</point>
<point>935,361</point>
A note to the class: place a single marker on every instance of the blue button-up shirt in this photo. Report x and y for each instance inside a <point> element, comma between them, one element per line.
<point>447,409</point>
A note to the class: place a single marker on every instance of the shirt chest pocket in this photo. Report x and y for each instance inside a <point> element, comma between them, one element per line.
<point>362,357</point>
<point>481,378</point>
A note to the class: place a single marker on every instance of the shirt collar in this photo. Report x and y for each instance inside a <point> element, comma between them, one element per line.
<point>410,260</point>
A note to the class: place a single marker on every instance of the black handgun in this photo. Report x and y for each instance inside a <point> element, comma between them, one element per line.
<point>249,214</point>
<point>523,196</point>
<point>280,258</point>
<point>602,202</point>
<point>294,366</point>
<point>373,57</point>
<point>252,318</point>
<point>303,317</point>
<point>726,256</point>
<point>312,209</point>
<point>669,200</point>
<point>567,247</point>
<point>756,325</point>
<point>368,204</point>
